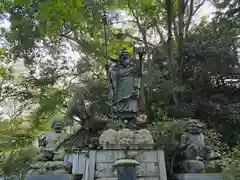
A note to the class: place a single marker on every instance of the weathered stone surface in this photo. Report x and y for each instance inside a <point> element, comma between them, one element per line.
<point>193,166</point>
<point>54,165</point>
<point>198,176</point>
<point>108,138</point>
<point>143,138</point>
<point>147,156</point>
<point>143,178</point>
<point>105,156</point>
<point>147,169</point>
<point>50,177</point>
<point>34,172</point>
<point>119,155</point>
<point>105,170</point>
<point>143,170</point>
<point>60,171</point>
<point>59,155</point>
<point>148,178</point>
<point>152,164</point>
<point>107,179</point>
<point>126,139</point>
<point>108,156</point>
<point>38,165</point>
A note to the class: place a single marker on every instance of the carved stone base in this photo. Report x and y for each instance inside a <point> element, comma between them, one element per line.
<point>193,166</point>
<point>49,167</point>
<point>126,139</point>
<point>50,177</point>
<point>197,177</point>
<point>102,164</point>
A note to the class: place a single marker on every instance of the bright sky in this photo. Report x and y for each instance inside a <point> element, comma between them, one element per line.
<point>206,10</point>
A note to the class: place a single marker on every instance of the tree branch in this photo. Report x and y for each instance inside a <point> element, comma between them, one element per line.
<point>159,31</point>
<point>192,13</point>
<point>233,11</point>
<point>189,19</point>
<point>131,37</point>
<point>175,28</point>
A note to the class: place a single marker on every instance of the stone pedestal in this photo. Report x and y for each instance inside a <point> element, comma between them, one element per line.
<point>197,177</point>
<point>151,164</point>
<point>48,167</point>
<point>50,177</point>
<point>126,139</point>
<point>126,169</point>
<point>136,145</point>
<point>78,161</point>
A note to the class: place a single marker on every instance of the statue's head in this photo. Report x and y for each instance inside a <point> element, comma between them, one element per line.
<point>124,56</point>
<point>57,124</point>
<point>193,126</point>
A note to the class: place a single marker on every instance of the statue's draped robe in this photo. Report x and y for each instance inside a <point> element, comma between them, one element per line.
<point>124,91</point>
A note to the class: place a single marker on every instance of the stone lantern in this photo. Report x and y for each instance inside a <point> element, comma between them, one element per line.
<point>126,169</point>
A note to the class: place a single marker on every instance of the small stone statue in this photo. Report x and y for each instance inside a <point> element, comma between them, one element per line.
<point>48,159</point>
<point>196,153</point>
<point>53,137</point>
<point>124,88</point>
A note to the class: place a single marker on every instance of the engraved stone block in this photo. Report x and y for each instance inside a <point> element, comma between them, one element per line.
<point>152,164</point>
<point>149,178</point>
<point>152,169</point>
<point>140,170</point>
<point>119,155</point>
<point>148,156</point>
<point>105,170</point>
<point>147,170</point>
<point>53,177</point>
<point>133,154</point>
<point>126,139</point>
<point>106,179</point>
<point>197,176</point>
<point>105,156</point>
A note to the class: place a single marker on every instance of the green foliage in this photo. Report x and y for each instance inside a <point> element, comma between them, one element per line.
<point>167,135</point>
<point>231,162</point>
<point>18,162</point>
<point>234,111</point>
<point>186,76</point>
<point>15,136</point>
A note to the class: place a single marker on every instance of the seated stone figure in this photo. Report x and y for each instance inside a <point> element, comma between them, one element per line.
<point>50,139</point>
<point>196,153</point>
<point>48,159</point>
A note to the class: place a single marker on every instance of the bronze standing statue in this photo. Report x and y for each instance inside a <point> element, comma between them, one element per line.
<point>124,88</point>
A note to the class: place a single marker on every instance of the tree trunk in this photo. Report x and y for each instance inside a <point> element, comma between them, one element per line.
<point>172,67</point>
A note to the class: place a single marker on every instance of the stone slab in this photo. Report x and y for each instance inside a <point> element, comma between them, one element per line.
<point>110,156</point>
<point>143,178</point>
<point>143,170</point>
<point>152,164</point>
<point>50,177</point>
<point>197,177</point>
